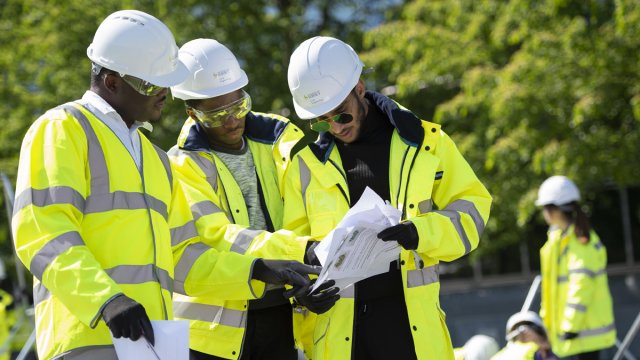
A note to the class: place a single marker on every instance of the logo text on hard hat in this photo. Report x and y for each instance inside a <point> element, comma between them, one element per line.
<point>311,95</point>
<point>221,73</point>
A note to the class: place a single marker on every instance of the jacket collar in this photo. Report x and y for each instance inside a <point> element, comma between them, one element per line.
<point>406,123</point>
<point>258,127</point>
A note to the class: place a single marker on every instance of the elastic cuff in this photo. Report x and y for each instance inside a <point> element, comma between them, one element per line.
<point>96,319</point>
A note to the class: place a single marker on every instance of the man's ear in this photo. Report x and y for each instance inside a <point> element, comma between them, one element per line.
<point>111,82</point>
<point>360,89</point>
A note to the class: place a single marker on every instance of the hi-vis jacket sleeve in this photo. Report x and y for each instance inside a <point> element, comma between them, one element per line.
<point>583,269</point>
<point>50,193</point>
<point>202,270</point>
<point>461,206</point>
<point>205,197</point>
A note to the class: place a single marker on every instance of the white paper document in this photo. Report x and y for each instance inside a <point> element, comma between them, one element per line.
<point>171,343</point>
<point>352,251</point>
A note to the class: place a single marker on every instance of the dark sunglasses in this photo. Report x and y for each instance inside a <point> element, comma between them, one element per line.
<point>324,124</point>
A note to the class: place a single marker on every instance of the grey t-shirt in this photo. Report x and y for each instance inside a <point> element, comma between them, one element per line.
<point>240,164</point>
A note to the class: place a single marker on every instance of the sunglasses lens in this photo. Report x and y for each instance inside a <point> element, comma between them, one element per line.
<point>320,126</point>
<point>343,118</point>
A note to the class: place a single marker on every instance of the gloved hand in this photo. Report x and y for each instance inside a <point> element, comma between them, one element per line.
<point>568,335</point>
<point>127,318</point>
<point>320,300</point>
<point>404,233</point>
<point>285,272</point>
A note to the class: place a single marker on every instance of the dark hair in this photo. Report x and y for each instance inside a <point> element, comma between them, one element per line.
<point>573,212</point>
<point>193,103</point>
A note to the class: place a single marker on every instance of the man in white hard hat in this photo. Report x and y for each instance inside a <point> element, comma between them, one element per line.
<point>526,339</point>
<point>98,218</point>
<point>368,140</point>
<point>230,161</point>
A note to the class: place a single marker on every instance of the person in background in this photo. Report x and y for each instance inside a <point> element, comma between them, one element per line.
<point>526,339</point>
<point>576,305</point>
<point>368,140</point>
<point>98,218</point>
<point>230,161</point>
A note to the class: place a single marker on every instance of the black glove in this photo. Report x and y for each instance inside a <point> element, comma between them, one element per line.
<point>285,272</point>
<point>127,318</point>
<point>320,300</point>
<point>404,233</point>
<point>569,335</point>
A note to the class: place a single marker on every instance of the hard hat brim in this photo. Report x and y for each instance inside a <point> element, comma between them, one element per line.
<point>212,92</point>
<point>173,78</point>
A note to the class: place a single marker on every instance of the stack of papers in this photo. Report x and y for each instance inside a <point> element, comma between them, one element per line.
<point>352,251</point>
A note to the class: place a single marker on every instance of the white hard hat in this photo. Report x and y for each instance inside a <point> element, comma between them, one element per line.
<point>480,347</point>
<point>322,72</point>
<point>523,316</point>
<point>135,43</point>
<point>557,190</point>
<point>213,71</point>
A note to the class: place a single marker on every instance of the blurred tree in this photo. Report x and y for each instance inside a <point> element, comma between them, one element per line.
<point>527,89</point>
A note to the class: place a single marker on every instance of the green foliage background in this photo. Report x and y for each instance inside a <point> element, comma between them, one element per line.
<point>527,88</point>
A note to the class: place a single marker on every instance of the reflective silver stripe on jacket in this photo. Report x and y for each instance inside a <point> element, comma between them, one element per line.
<point>584,271</point>
<point>207,167</point>
<point>182,233</point>
<point>204,208</point>
<point>425,206</point>
<point>425,276</point>
<point>244,239</point>
<point>96,352</point>
<point>95,203</point>
<point>469,208</point>
<point>54,195</point>
<point>50,251</point>
<point>122,200</point>
<point>140,274</point>
<point>577,307</point>
<point>210,313</point>
<point>593,332</point>
<point>453,210</point>
<point>121,274</point>
<point>305,179</point>
<point>166,163</point>
<point>189,256</point>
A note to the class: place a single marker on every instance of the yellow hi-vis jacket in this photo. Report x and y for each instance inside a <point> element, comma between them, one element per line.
<point>5,324</point>
<point>89,226</point>
<point>435,188</point>
<point>575,293</point>
<point>217,325</point>
<point>517,350</point>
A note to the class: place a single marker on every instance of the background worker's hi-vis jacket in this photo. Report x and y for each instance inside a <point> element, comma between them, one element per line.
<point>575,293</point>
<point>89,225</point>
<point>217,325</point>
<point>433,186</point>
